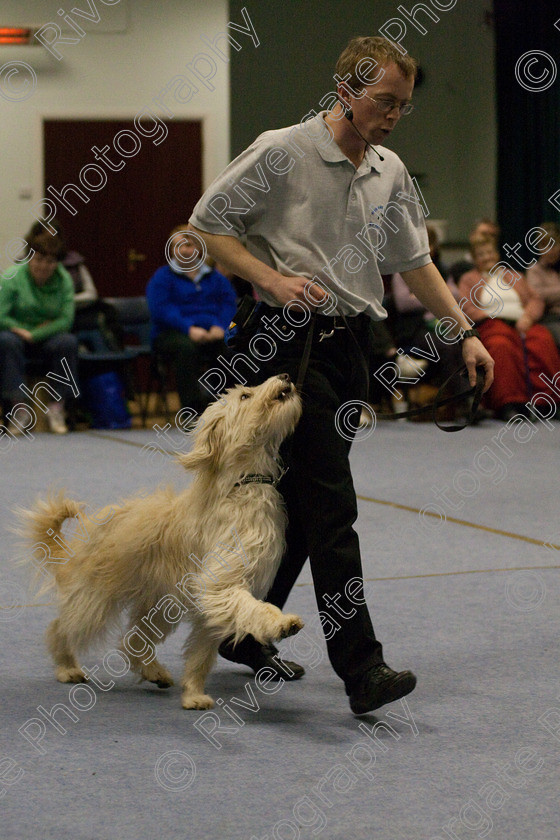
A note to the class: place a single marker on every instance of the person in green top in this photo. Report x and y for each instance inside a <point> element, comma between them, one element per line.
<point>36,316</point>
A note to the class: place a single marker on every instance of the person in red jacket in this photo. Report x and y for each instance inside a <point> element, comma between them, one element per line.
<point>191,306</point>
<point>505,310</point>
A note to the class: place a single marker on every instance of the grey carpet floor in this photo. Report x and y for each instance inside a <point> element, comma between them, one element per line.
<point>465,594</point>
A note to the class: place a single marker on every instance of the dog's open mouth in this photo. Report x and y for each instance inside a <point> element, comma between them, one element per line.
<point>286,392</point>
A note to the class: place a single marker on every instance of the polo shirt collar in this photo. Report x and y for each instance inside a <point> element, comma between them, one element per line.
<point>374,160</point>
<point>202,271</point>
<point>332,153</point>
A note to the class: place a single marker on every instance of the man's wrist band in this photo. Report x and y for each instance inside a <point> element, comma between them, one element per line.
<point>470,334</point>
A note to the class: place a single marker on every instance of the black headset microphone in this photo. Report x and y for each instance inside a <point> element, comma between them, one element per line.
<point>349,114</point>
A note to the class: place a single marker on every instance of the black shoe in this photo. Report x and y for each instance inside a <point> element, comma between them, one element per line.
<point>249,652</point>
<point>510,410</point>
<point>379,686</point>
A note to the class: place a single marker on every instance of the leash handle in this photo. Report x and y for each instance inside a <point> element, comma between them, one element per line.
<point>476,392</point>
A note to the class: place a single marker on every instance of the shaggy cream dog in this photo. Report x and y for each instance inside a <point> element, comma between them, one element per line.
<point>206,554</point>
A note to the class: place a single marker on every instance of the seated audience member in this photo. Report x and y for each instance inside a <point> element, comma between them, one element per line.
<point>96,321</point>
<point>91,313</point>
<point>544,278</point>
<point>482,229</point>
<point>190,310</point>
<point>85,292</point>
<point>505,310</point>
<point>435,253</point>
<point>36,315</point>
<point>383,350</point>
<point>485,229</point>
<point>411,325</point>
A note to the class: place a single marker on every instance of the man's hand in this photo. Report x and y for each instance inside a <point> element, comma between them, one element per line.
<point>25,334</point>
<point>229,251</point>
<point>432,291</point>
<point>198,335</point>
<point>286,288</point>
<point>474,354</point>
<point>216,333</point>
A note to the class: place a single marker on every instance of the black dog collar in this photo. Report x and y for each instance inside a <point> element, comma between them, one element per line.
<point>255,478</point>
<point>258,478</point>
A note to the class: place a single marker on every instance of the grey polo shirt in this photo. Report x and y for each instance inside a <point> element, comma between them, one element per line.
<point>304,209</point>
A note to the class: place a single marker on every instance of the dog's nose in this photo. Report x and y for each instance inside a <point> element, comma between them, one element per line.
<point>284,376</point>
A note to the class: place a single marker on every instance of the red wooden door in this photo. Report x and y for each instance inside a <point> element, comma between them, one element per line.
<point>133,192</point>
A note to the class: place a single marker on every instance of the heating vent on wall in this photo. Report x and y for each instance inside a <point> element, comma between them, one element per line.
<point>18,35</point>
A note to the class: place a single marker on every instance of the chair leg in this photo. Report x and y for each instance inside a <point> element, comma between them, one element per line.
<point>143,400</point>
<point>71,415</point>
<point>157,385</point>
<point>162,378</point>
<point>144,403</point>
<point>164,390</point>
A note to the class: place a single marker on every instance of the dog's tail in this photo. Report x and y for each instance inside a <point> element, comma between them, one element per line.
<point>41,530</point>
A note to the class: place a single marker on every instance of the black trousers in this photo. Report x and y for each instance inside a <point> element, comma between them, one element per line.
<point>318,489</point>
<point>188,359</point>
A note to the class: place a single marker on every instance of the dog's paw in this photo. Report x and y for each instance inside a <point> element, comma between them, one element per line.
<point>158,674</point>
<point>197,701</point>
<point>291,624</point>
<point>70,675</point>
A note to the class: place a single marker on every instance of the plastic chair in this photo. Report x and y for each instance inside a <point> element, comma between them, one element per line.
<point>134,319</point>
<point>135,322</point>
<point>96,357</point>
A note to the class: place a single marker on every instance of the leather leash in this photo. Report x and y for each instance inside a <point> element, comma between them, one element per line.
<point>475,392</point>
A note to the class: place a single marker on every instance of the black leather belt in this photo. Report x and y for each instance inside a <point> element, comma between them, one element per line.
<point>326,323</point>
<point>341,322</point>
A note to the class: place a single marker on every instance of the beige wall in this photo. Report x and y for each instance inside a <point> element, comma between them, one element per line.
<point>106,74</point>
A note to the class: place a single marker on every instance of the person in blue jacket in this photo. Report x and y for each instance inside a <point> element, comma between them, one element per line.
<point>191,308</point>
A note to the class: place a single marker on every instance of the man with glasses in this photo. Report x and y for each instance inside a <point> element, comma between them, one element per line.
<point>322,212</point>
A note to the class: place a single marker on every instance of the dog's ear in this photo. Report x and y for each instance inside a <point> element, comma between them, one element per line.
<point>208,445</point>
